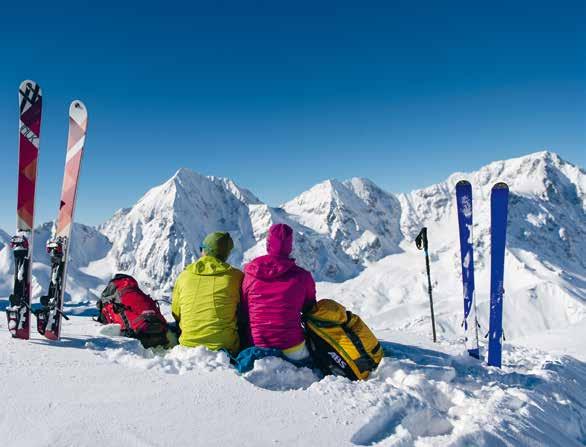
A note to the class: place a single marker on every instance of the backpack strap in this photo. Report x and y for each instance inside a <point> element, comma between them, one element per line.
<point>365,362</point>
<point>121,309</point>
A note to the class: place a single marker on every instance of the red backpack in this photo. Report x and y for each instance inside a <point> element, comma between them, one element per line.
<point>122,302</point>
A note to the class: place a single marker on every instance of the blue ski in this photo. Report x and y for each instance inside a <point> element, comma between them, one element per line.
<point>470,323</point>
<point>499,201</point>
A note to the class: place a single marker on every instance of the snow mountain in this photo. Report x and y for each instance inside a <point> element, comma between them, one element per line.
<point>156,238</point>
<point>545,271</point>
<point>357,239</point>
<point>87,270</point>
<point>356,214</point>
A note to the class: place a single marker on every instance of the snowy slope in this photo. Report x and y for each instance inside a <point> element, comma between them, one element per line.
<point>94,389</point>
<point>545,280</point>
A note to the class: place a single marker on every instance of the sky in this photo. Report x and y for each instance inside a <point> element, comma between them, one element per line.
<point>279,96</point>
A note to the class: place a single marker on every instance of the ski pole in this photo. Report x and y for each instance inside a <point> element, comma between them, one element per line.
<point>422,244</point>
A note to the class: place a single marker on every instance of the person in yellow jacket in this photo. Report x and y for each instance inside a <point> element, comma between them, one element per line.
<point>206,297</point>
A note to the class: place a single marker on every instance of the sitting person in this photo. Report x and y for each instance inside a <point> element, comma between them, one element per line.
<point>206,297</point>
<point>275,292</point>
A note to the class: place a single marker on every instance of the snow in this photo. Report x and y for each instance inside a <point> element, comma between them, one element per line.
<point>96,387</point>
<point>358,240</point>
<point>4,239</point>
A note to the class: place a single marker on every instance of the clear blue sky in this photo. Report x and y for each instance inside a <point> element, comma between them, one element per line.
<point>281,95</point>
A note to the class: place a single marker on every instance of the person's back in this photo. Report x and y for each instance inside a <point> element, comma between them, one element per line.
<point>274,293</point>
<point>206,297</point>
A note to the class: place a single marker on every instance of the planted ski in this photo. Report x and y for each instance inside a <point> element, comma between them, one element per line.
<point>49,316</point>
<point>470,323</point>
<point>30,108</point>
<point>498,216</point>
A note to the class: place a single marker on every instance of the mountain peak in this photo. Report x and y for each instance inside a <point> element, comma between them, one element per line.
<point>185,177</point>
<point>182,173</point>
<point>355,213</point>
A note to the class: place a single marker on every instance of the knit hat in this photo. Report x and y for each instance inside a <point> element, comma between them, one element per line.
<point>218,244</point>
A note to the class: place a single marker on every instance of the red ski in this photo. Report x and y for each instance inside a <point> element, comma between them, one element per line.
<point>30,106</point>
<point>49,316</point>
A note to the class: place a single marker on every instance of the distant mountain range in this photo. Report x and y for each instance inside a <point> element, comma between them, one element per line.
<point>352,234</point>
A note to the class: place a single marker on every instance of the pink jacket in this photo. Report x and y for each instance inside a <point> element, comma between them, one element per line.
<point>274,293</point>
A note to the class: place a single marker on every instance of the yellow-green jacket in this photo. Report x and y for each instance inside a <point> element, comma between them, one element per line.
<point>205,301</point>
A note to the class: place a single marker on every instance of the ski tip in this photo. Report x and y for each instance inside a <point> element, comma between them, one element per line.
<point>463,183</point>
<point>77,106</point>
<point>28,83</point>
<point>30,89</point>
<point>78,112</point>
<point>500,185</point>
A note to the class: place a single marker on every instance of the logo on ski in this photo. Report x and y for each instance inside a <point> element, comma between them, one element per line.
<point>29,134</point>
<point>30,96</point>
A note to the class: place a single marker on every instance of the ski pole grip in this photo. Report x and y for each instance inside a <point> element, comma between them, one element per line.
<point>421,239</point>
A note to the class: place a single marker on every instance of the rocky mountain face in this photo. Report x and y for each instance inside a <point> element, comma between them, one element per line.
<point>545,279</point>
<point>161,234</point>
<point>547,209</point>
<point>352,235</point>
<point>4,239</point>
<point>362,219</point>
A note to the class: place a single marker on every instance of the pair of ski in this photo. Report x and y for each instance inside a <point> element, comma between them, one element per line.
<point>499,199</point>
<point>51,310</point>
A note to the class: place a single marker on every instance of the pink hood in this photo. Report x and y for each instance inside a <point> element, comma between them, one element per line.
<point>274,293</point>
<point>280,240</point>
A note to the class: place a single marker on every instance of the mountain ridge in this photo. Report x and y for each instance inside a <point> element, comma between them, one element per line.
<point>353,235</point>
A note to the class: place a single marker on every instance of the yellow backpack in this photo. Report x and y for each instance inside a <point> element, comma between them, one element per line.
<point>339,341</point>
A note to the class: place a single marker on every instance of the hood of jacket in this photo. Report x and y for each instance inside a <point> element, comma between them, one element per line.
<point>208,265</point>
<point>269,267</point>
<point>280,240</point>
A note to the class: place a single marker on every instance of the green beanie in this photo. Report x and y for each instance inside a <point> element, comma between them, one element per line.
<point>218,244</point>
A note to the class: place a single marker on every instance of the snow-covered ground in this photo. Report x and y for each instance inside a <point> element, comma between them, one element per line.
<point>93,387</point>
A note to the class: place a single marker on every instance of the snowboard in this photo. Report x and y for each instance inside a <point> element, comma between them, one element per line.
<point>50,315</point>
<point>18,312</point>
<point>465,212</point>
<point>499,200</point>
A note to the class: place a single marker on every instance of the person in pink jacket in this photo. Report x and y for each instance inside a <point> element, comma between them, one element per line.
<point>275,292</point>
